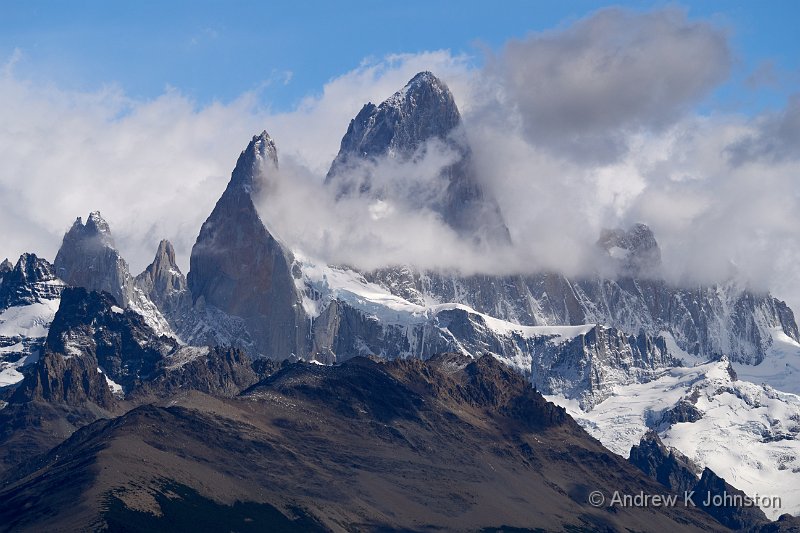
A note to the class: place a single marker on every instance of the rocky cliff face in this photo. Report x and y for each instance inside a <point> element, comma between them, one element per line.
<point>163,283</point>
<point>94,350</point>
<point>162,280</point>
<point>87,258</point>
<point>588,366</point>
<point>240,277</point>
<point>402,129</point>
<point>706,320</point>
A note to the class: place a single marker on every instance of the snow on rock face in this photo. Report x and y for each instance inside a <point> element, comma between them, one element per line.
<point>29,298</point>
<point>588,367</point>
<point>706,321</point>
<point>746,433</point>
<point>780,367</point>
<point>352,316</point>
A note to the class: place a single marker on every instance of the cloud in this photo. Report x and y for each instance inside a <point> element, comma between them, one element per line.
<point>579,89</point>
<point>776,137</point>
<point>153,168</point>
<point>572,130</point>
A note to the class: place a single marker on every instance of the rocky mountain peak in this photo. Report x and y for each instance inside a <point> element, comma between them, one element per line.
<point>400,128</point>
<point>162,278</point>
<point>239,269</point>
<point>31,269</point>
<point>635,250</point>
<point>95,228</point>
<point>422,110</point>
<point>97,224</point>
<point>30,280</point>
<point>165,254</point>
<point>87,258</point>
<point>259,157</point>
<point>6,266</point>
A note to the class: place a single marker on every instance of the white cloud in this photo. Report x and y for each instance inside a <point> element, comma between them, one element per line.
<point>719,191</point>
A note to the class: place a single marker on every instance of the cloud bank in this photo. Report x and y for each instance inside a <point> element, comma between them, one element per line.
<point>572,130</point>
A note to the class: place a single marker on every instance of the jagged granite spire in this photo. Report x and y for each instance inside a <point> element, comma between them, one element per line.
<point>162,279</point>
<point>254,163</point>
<point>237,267</point>
<point>399,128</point>
<point>6,266</point>
<point>87,258</point>
<point>422,110</point>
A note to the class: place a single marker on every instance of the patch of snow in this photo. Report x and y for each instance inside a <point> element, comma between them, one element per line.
<point>114,387</point>
<point>748,433</point>
<point>618,253</point>
<point>9,375</point>
<point>780,367</point>
<point>22,330</point>
<point>184,355</point>
<point>28,320</point>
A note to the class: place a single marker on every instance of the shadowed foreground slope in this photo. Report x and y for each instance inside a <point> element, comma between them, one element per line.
<point>449,443</point>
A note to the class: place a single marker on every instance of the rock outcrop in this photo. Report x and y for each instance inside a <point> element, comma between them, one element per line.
<point>710,493</point>
<point>94,350</point>
<point>240,277</point>
<point>31,280</point>
<point>88,258</point>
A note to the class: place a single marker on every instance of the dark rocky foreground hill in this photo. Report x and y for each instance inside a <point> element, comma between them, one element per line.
<point>405,445</point>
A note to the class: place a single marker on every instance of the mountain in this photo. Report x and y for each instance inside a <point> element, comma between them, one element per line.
<point>240,278</point>
<point>162,280</point>
<point>194,382</point>
<point>745,432</point>
<point>420,118</point>
<point>30,294</point>
<point>362,446</point>
<point>706,321</point>
<point>88,258</point>
<point>677,473</point>
<point>100,360</point>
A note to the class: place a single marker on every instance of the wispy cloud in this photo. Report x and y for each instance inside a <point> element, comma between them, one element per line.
<point>572,130</point>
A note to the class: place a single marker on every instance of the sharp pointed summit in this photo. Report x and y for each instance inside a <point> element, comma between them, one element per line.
<point>422,110</point>
<point>259,158</point>
<point>87,258</point>
<point>162,280</point>
<point>239,269</point>
<point>400,128</point>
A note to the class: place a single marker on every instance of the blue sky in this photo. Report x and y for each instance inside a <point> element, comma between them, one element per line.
<point>213,50</point>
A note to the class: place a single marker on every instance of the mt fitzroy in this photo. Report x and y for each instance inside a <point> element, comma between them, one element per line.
<point>246,287</point>
<point>586,343</point>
